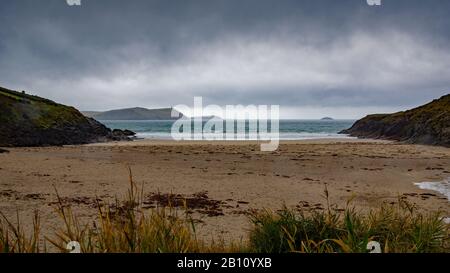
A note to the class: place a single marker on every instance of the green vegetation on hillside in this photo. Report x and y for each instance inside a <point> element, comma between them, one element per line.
<point>45,112</point>
<point>427,124</point>
<point>27,120</point>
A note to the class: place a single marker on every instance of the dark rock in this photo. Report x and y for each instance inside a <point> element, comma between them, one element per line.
<point>27,120</point>
<point>428,124</point>
<point>123,134</point>
<point>3,151</point>
<point>129,133</point>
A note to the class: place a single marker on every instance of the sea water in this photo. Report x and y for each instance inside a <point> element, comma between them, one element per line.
<point>288,129</point>
<point>442,187</point>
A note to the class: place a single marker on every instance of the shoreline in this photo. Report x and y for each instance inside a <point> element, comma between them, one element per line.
<point>146,142</point>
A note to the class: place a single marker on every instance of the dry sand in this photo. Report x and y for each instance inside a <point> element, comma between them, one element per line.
<point>236,173</point>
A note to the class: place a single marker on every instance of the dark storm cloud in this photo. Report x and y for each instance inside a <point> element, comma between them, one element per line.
<point>317,53</point>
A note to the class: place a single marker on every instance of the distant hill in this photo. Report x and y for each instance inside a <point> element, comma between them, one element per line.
<point>90,114</point>
<point>27,120</point>
<point>137,113</point>
<point>427,124</point>
<point>327,118</point>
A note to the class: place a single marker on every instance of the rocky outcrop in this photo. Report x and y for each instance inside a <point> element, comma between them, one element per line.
<point>123,134</point>
<point>428,124</point>
<point>27,120</point>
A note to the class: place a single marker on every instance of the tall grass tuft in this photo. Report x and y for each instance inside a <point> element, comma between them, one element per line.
<point>398,228</point>
<point>124,227</point>
<point>13,238</point>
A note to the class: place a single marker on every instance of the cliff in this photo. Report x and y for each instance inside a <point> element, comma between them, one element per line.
<point>27,120</point>
<point>427,124</point>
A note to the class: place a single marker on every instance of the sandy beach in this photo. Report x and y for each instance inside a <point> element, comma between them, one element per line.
<point>232,177</point>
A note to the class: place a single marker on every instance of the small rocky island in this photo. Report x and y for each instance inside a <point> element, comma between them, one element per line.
<point>27,120</point>
<point>427,124</point>
<point>326,118</point>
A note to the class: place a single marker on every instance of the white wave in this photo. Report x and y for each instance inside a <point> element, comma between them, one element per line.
<point>443,187</point>
<point>282,136</point>
<point>154,135</point>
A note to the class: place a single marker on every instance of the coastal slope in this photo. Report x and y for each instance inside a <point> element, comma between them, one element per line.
<point>428,124</point>
<point>27,120</point>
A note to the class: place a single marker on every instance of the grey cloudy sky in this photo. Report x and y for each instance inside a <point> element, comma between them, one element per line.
<point>315,58</point>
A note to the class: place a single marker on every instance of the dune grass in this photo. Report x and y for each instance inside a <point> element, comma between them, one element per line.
<point>13,238</point>
<point>398,228</point>
<point>126,227</point>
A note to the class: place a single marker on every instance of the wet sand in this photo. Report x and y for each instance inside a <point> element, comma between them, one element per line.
<point>229,178</point>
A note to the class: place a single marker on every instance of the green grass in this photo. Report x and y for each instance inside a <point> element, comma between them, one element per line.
<point>397,229</point>
<point>11,96</point>
<point>20,96</point>
<point>35,112</point>
<point>126,227</point>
